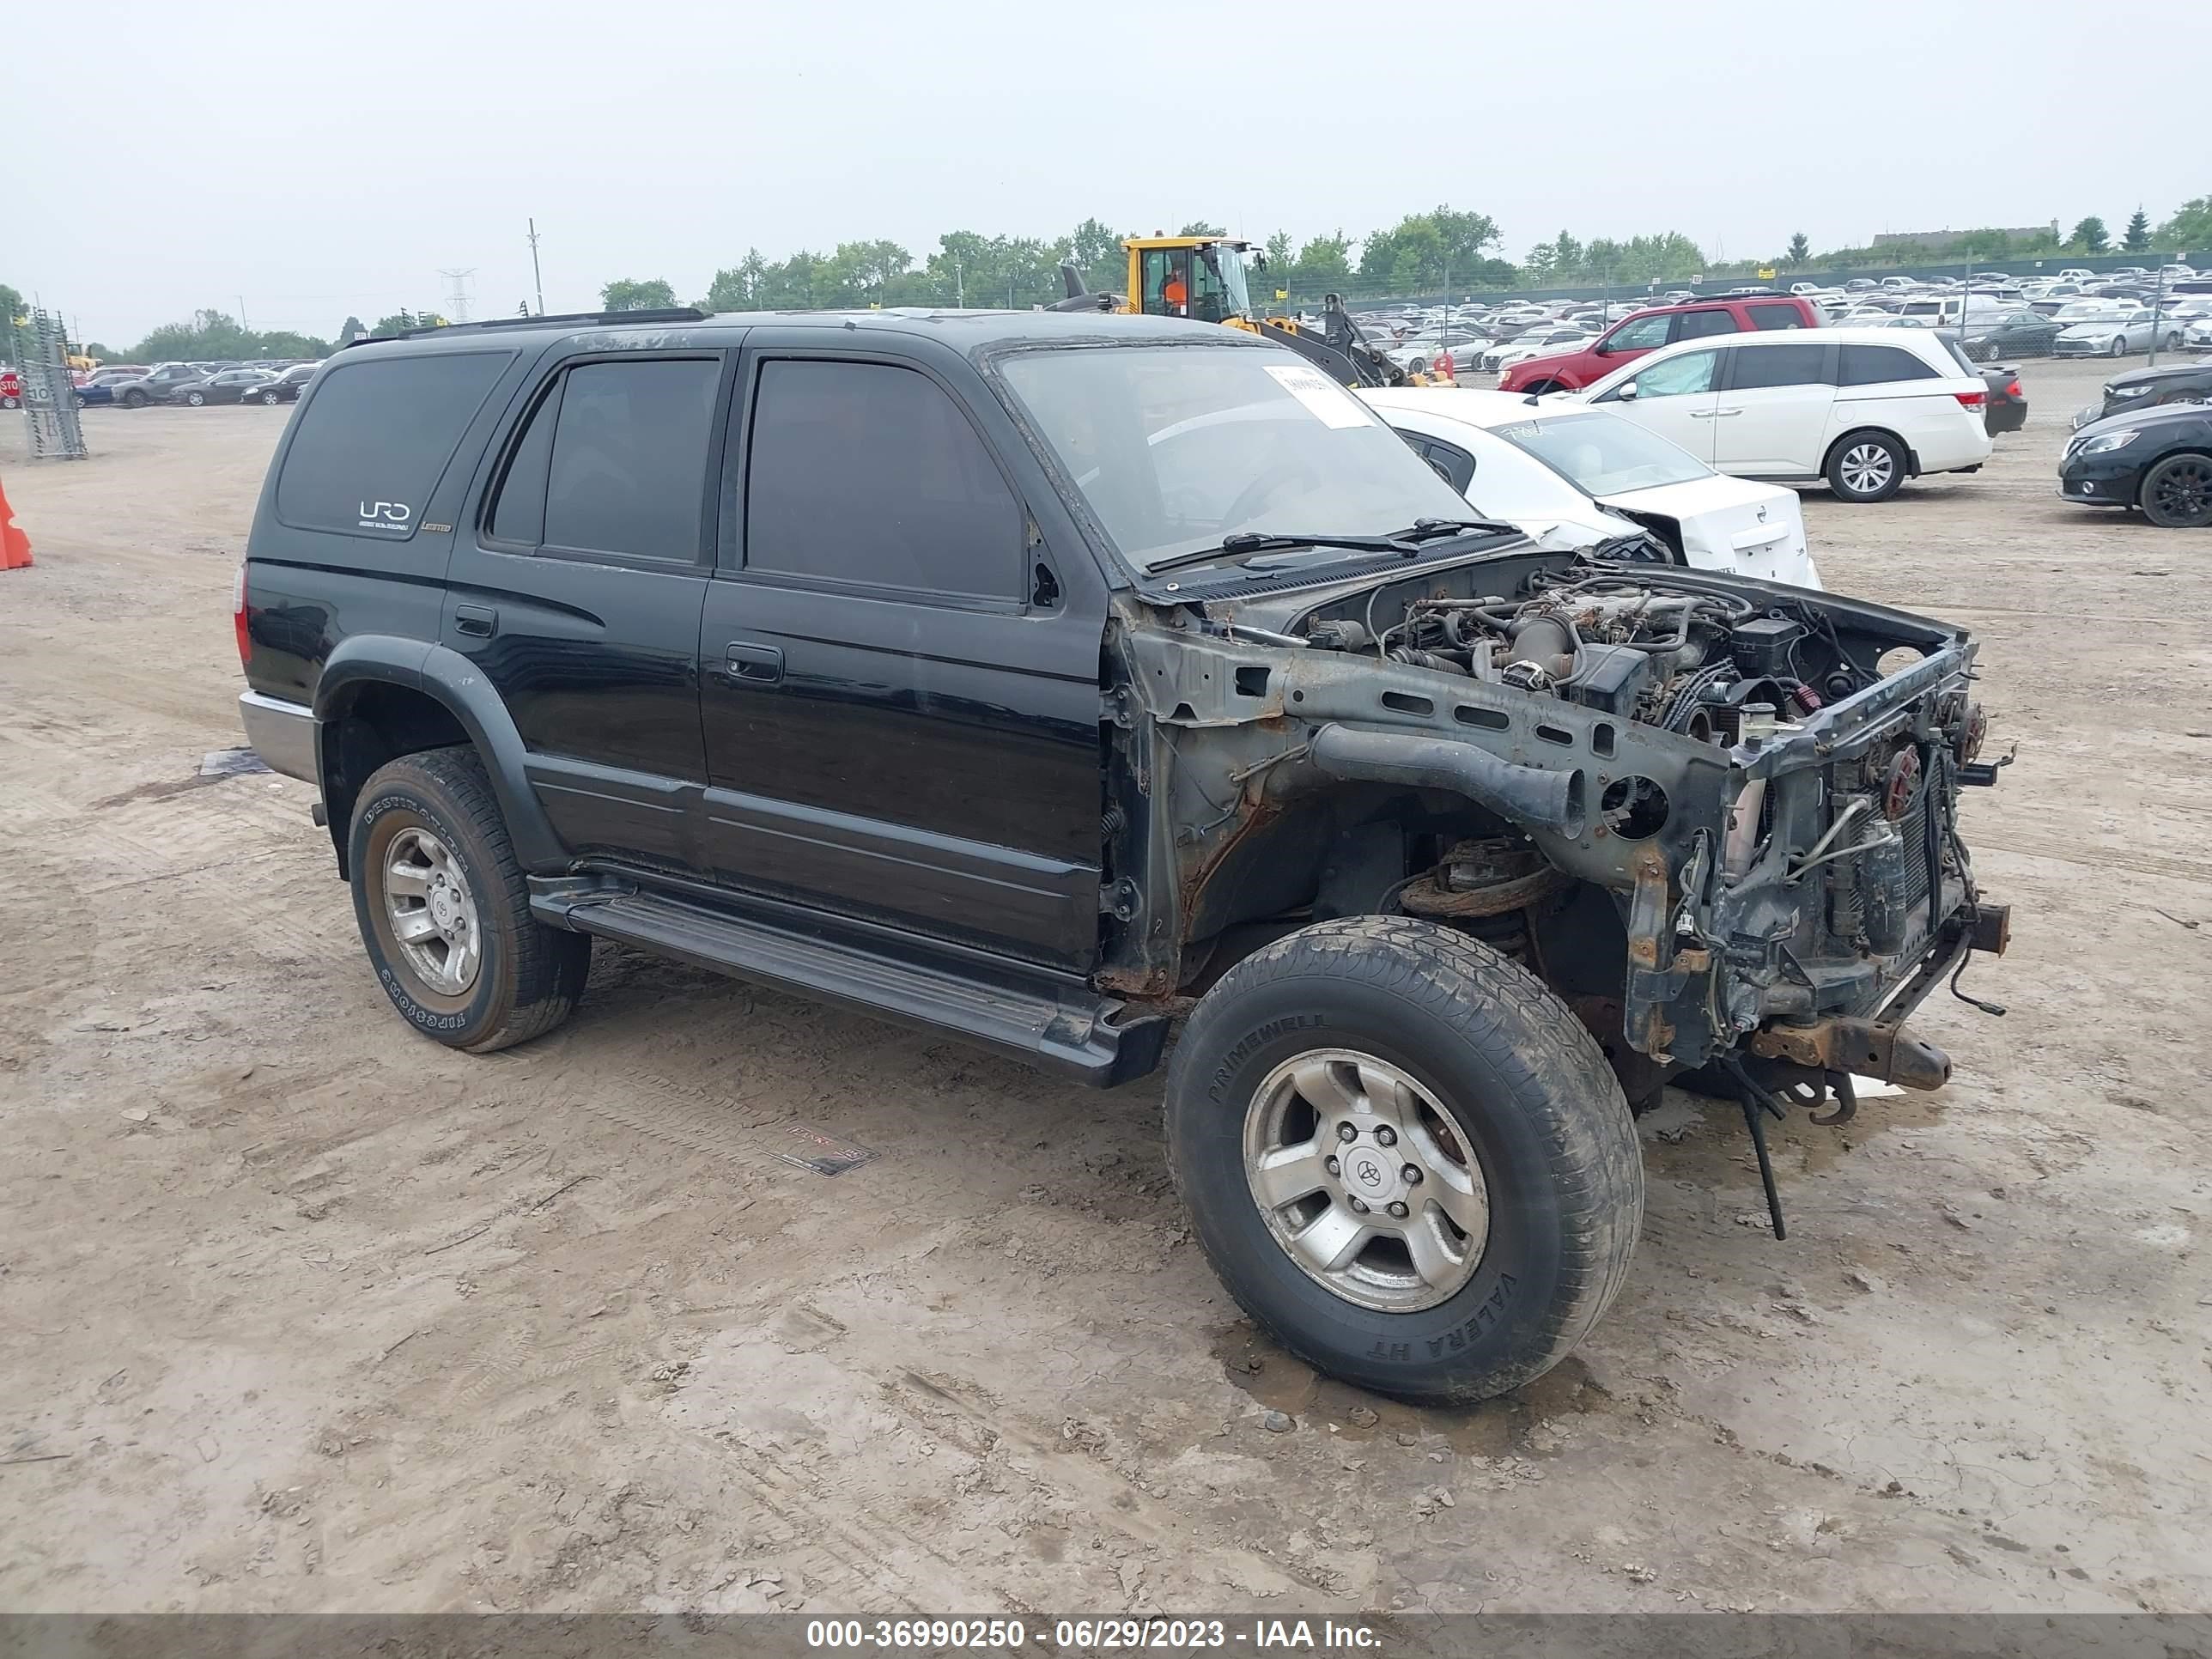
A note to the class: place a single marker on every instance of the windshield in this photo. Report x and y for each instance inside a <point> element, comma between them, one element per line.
<point>1221,280</point>
<point>1604,453</point>
<point>1175,446</point>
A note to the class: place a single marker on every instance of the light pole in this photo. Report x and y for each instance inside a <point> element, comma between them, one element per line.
<point>536,276</point>
<point>959,286</point>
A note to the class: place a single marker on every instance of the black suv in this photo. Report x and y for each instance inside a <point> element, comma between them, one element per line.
<point>1046,680</point>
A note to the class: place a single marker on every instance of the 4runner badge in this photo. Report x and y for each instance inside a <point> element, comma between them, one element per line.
<point>386,515</point>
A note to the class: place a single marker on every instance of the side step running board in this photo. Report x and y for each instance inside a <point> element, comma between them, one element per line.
<point>1064,1028</point>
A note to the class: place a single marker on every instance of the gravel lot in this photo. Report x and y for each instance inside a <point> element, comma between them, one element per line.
<point>298,1310</point>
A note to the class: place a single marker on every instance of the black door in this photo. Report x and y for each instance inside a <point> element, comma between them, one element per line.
<point>578,588</point>
<point>900,678</point>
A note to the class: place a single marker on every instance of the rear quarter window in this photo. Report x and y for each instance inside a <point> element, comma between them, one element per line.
<point>1878,365</point>
<point>375,437</point>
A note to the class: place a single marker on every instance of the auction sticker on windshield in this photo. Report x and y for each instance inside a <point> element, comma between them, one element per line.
<point>1330,403</point>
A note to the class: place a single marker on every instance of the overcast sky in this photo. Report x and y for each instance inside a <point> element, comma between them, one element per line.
<point>314,158</point>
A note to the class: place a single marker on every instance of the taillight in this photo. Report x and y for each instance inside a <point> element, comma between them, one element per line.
<point>1972,399</point>
<point>238,615</point>
<point>2013,391</point>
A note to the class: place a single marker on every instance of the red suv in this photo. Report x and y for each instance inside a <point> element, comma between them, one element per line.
<point>1647,330</point>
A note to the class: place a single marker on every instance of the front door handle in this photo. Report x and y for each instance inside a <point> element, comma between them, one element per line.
<point>756,665</point>
<point>479,621</point>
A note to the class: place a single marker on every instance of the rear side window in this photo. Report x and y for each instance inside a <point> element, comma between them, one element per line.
<point>1877,365</point>
<point>374,439</point>
<point>1780,364</point>
<point>1775,317</point>
<point>869,473</point>
<point>629,471</point>
<point>1695,324</point>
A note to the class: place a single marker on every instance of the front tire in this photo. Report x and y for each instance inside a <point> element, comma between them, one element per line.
<point>1490,1145</point>
<point>1866,466</point>
<point>2120,346</point>
<point>444,909</point>
<point>270,399</point>
<point>133,400</point>
<point>2177,492</point>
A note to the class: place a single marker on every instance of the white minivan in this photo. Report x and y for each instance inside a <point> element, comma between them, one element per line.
<point>1861,409</point>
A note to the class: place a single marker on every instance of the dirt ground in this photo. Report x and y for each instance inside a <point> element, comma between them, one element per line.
<point>301,1311</point>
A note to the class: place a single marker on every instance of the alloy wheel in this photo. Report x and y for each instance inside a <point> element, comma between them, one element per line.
<point>1366,1180</point>
<point>1867,469</point>
<point>2181,493</point>
<point>431,912</point>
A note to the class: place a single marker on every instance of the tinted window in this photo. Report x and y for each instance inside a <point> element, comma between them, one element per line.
<point>1874,365</point>
<point>628,469</point>
<point>862,472</point>
<point>517,513</point>
<point>1775,317</point>
<point>1780,364</point>
<point>1454,463</point>
<point>370,445</point>
<point>1695,324</point>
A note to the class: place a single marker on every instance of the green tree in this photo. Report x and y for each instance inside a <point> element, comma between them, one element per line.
<point>1989,244</point>
<point>103,354</point>
<point>2090,235</point>
<point>737,287</point>
<point>1199,227</point>
<point>351,326</point>
<point>1324,265</point>
<point>1096,250</point>
<point>2191,227</point>
<point>625,295</point>
<point>11,305</point>
<point>1801,250</point>
<point>2136,238</point>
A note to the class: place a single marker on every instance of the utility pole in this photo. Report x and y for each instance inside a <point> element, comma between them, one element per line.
<point>459,305</point>
<point>959,286</point>
<point>242,328</point>
<point>536,276</point>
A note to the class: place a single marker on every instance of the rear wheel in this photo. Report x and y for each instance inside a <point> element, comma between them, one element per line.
<point>1866,466</point>
<point>196,398</point>
<point>133,399</point>
<point>1406,1159</point>
<point>2177,492</point>
<point>444,909</point>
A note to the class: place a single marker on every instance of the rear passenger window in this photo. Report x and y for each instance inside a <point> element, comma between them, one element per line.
<point>375,438</point>
<point>868,473</point>
<point>1876,365</point>
<point>1775,317</point>
<point>1695,324</point>
<point>1780,364</point>
<point>628,472</point>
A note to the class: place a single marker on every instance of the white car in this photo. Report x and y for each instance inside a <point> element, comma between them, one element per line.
<point>1544,342</point>
<point>2116,336</point>
<point>1578,477</point>
<point>1862,408</point>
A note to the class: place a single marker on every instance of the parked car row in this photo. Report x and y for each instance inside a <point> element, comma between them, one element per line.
<point>193,385</point>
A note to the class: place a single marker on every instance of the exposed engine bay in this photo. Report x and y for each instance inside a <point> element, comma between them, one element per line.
<point>1711,665</point>
<point>1717,816</point>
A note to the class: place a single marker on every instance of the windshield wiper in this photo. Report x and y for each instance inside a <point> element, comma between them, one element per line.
<point>1427,530</point>
<point>1246,543</point>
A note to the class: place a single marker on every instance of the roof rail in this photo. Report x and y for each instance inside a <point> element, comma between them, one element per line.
<point>667,314</point>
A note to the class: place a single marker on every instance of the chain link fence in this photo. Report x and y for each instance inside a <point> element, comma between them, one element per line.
<point>40,350</point>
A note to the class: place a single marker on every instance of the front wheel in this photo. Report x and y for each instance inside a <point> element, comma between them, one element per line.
<point>1406,1159</point>
<point>444,909</point>
<point>2177,492</point>
<point>133,400</point>
<point>1866,466</point>
<point>271,398</point>
<point>2119,347</point>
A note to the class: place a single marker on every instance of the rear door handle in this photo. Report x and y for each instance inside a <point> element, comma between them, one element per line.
<point>756,665</point>
<point>1702,414</point>
<point>479,621</point>
<point>1722,414</point>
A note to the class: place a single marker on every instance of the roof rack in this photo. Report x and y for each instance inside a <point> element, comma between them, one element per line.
<point>666,314</point>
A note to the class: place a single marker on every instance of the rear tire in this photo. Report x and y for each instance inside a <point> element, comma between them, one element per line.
<point>196,399</point>
<point>444,909</point>
<point>1866,466</point>
<point>2177,492</point>
<point>1516,1231</point>
<point>132,400</point>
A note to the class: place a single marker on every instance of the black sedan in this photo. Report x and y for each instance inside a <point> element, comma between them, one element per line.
<point>232,385</point>
<point>2008,334</point>
<point>285,388</point>
<point>2148,388</point>
<point>2160,461</point>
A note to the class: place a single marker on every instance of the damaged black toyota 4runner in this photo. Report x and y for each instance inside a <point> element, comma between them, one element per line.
<point>1044,680</point>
